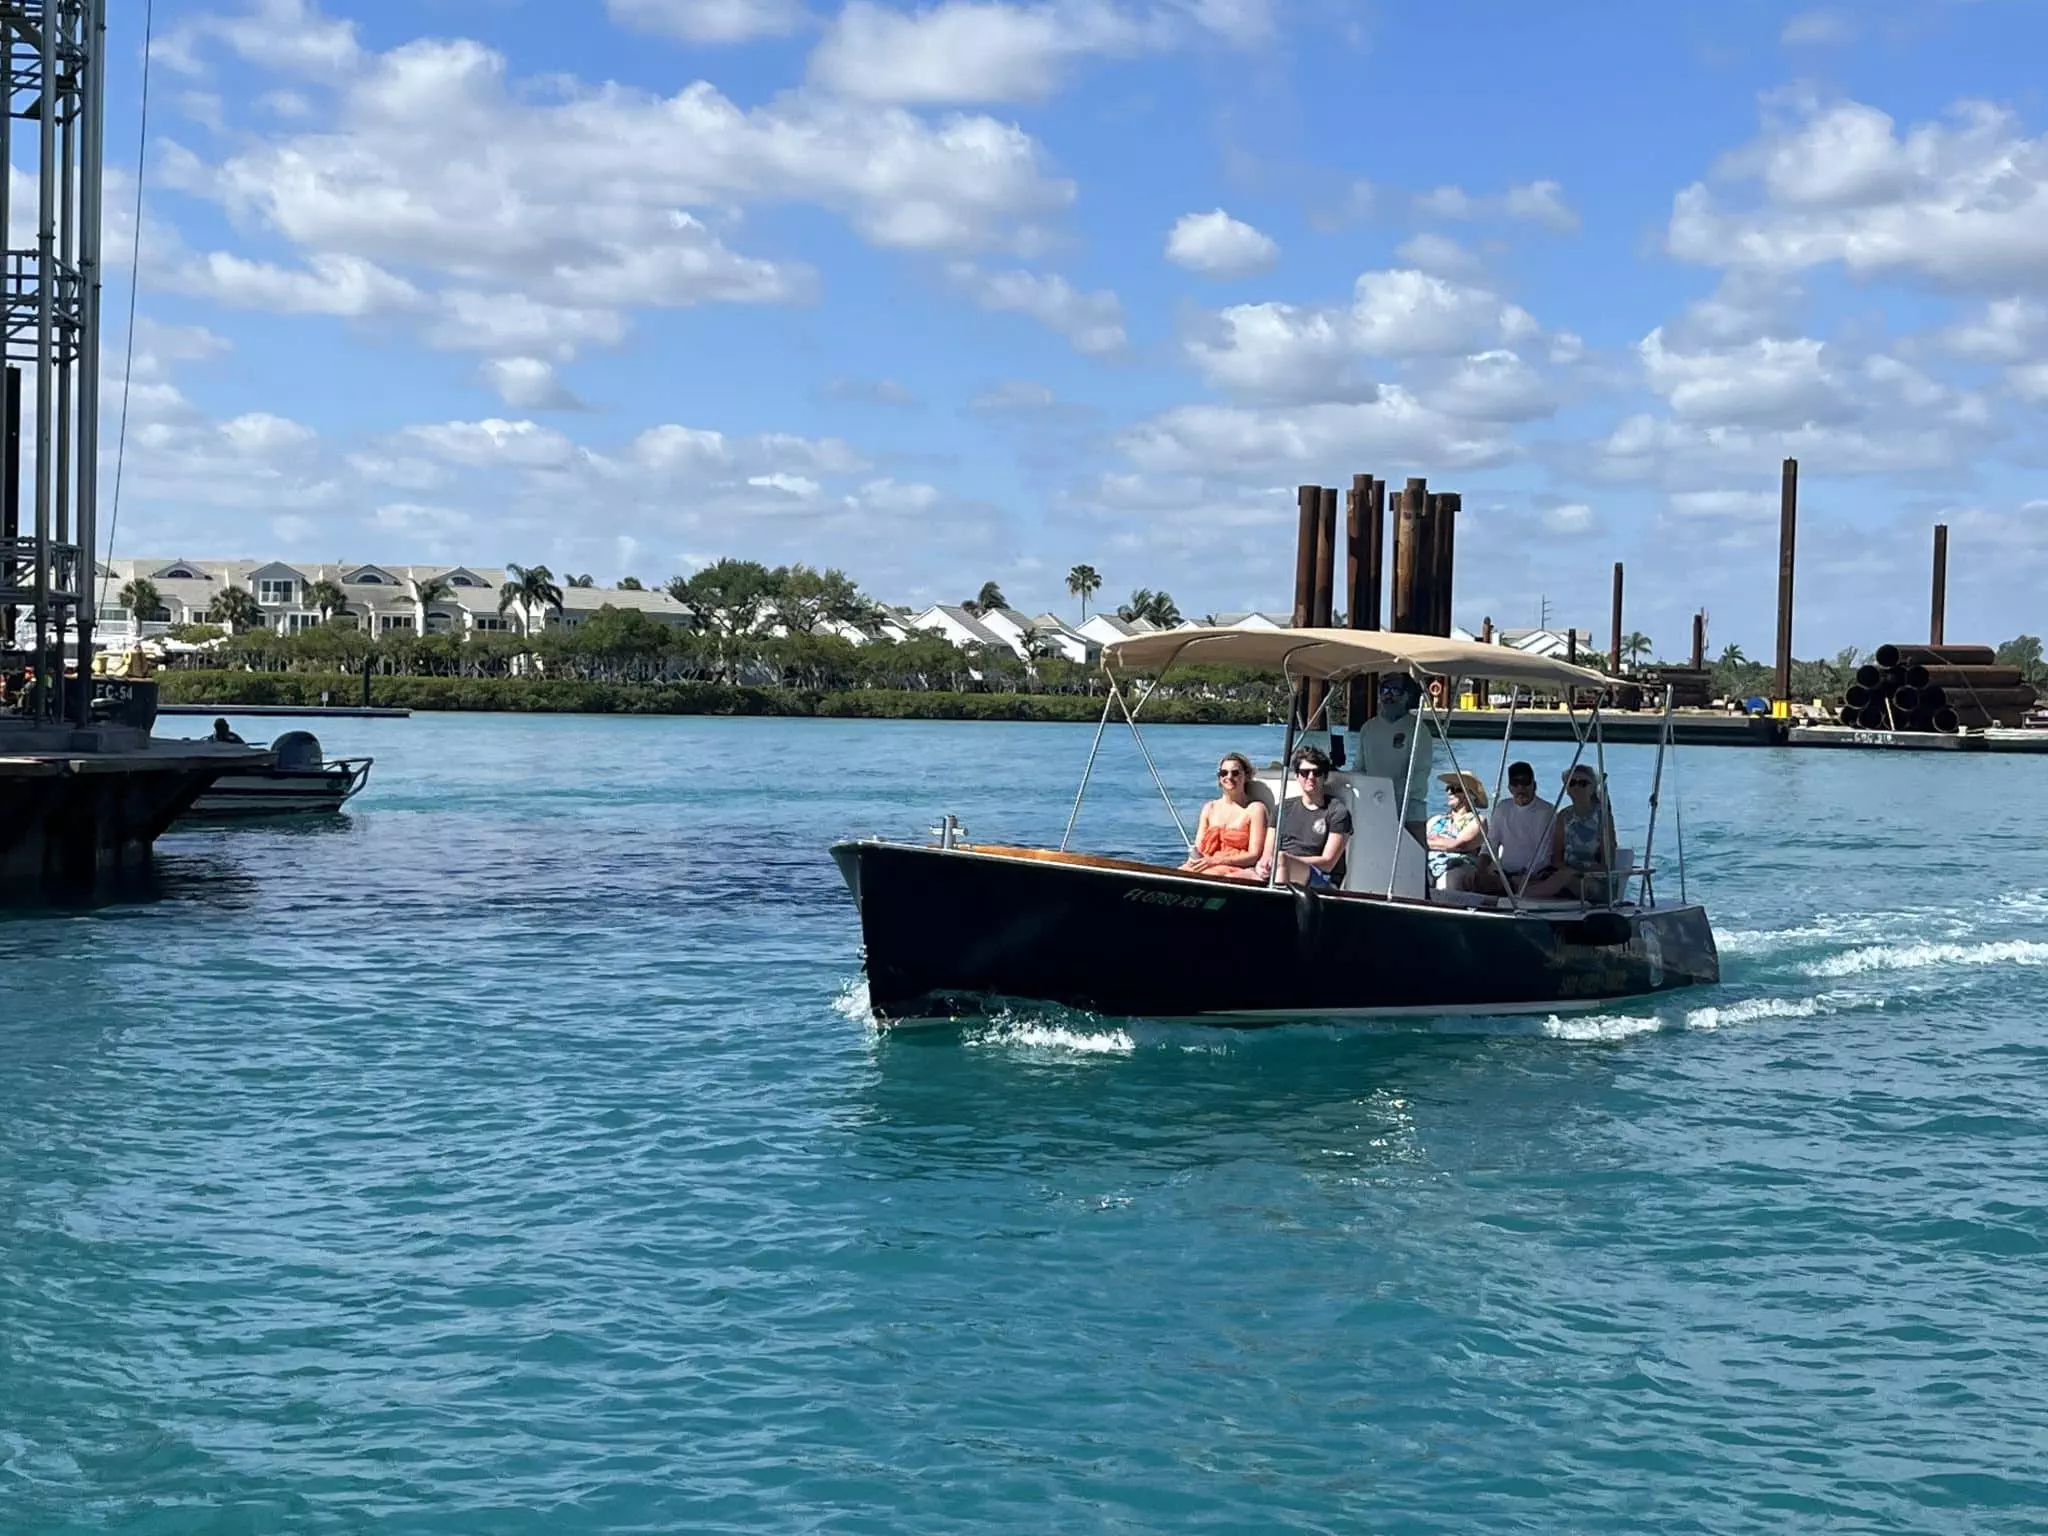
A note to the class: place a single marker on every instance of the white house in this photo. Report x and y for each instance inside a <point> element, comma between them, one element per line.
<point>1107,628</point>
<point>959,626</point>
<point>1556,643</point>
<point>379,599</point>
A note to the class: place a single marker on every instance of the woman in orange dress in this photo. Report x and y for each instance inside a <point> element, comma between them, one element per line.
<point>1233,825</point>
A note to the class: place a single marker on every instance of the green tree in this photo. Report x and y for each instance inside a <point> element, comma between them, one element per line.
<point>990,596</point>
<point>237,608</point>
<point>581,581</point>
<point>532,590</point>
<point>427,591</point>
<point>1084,581</point>
<point>141,598</point>
<point>805,598</point>
<point>1155,607</point>
<point>1634,645</point>
<point>1733,657</point>
<point>630,584</point>
<point>326,598</point>
<point>2024,652</point>
<point>727,597</point>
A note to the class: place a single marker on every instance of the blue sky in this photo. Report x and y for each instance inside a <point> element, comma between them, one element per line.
<point>945,293</point>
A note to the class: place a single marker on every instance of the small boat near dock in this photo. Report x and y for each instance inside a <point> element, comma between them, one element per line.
<point>300,780</point>
<point>959,927</point>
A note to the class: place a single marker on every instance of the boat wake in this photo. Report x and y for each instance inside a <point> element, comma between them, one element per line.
<point>1921,957</point>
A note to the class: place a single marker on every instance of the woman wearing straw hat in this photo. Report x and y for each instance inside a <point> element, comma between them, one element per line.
<point>1455,836</point>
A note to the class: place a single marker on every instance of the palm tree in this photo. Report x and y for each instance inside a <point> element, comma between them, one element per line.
<point>1157,607</point>
<point>1633,645</point>
<point>630,584</point>
<point>581,581</point>
<point>531,589</point>
<point>1733,657</point>
<point>1084,581</point>
<point>141,598</point>
<point>327,597</point>
<point>426,591</point>
<point>236,608</point>
<point>990,596</point>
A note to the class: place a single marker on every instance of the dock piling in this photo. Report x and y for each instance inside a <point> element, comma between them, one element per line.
<point>1938,607</point>
<point>1614,646</point>
<point>1788,526</point>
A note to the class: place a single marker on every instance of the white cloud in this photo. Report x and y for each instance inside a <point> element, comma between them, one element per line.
<point>418,518</point>
<point>1535,202</point>
<point>2007,330</point>
<point>527,384</point>
<point>1570,519</point>
<point>1014,396</point>
<point>574,201</point>
<point>1724,506</point>
<point>493,443</point>
<point>710,21</point>
<point>327,285</point>
<point>1496,385</point>
<point>1963,203</point>
<point>965,50</point>
<point>288,35</point>
<point>1219,245</point>
<point>869,392</point>
<point>1438,254</point>
<point>996,50</point>
<point>1817,29</point>
<point>1234,440</point>
<point>1282,351</point>
<point>1093,322</point>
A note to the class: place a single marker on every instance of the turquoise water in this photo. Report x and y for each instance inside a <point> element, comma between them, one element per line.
<point>514,1156</point>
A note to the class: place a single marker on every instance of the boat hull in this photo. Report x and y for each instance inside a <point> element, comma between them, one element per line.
<point>280,792</point>
<point>947,930</point>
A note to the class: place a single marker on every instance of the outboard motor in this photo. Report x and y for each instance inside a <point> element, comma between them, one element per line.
<point>298,750</point>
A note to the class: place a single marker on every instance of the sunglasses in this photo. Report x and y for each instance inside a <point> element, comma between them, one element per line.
<point>1521,783</point>
<point>1308,773</point>
<point>1229,773</point>
<point>1578,784</point>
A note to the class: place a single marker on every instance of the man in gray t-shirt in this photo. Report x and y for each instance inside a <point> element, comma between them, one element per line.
<point>1314,830</point>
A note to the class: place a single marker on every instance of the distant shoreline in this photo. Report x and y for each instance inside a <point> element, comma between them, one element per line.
<point>521,695</point>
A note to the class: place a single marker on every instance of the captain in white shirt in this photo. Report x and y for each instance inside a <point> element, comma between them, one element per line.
<point>1395,745</point>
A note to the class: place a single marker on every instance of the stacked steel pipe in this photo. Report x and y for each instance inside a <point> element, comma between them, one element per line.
<point>1935,688</point>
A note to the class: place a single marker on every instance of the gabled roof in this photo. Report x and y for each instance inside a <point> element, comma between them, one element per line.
<point>180,570</point>
<point>275,570</point>
<point>979,631</point>
<point>369,575</point>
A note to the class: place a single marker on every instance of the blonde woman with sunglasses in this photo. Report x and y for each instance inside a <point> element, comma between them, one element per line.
<point>1233,825</point>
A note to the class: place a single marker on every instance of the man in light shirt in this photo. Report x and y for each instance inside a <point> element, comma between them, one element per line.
<point>1395,745</point>
<point>1519,828</point>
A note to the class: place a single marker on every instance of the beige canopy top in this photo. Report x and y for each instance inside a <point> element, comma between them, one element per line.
<point>1336,653</point>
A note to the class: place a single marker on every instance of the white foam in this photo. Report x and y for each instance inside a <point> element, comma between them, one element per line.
<point>1921,957</point>
<point>1600,1026</point>
<point>852,1003</point>
<point>1753,1011</point>
<point>1054,1039</point>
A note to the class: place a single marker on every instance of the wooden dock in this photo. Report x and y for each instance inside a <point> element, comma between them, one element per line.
<point>292,711</point>
<point>1689,728</point>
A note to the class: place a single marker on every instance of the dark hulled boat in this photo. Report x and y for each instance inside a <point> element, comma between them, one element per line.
<point>954,928</point>
<point>949,929</point>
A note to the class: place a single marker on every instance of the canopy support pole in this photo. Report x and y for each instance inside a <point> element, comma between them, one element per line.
<point>1100,726</point>
<point>1116,695</point>
<point>1649,895</point>
<point>1485,831</point>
